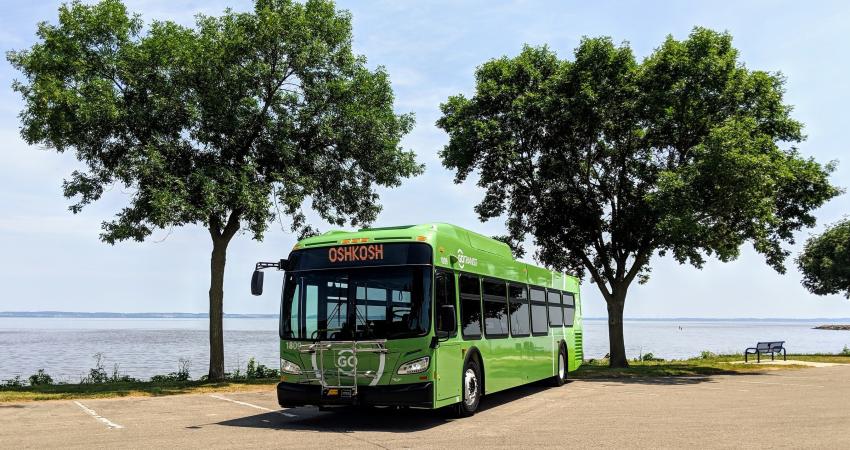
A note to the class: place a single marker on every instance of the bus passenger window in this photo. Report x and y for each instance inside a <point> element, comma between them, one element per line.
<point>470,307</point>
<point>556,318</point>
<point>444,295</point>
<point>569,309</point>
<point>520,326</point>
<point>539,326</point>
<point>495,309</point>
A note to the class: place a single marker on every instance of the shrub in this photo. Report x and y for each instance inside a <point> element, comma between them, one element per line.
<point>40,378</point>
<point>13,382</point>
<point>845,351</point>
<point>258,371</point>
<point>650,357</point>
<point>182,373</point>
<point>96,374</point>
<point>118,378</point>
<point>705,354</point>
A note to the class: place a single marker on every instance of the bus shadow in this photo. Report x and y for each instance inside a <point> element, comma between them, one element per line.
<point>344,420</point>
<point>392,420</point>
<point>674,380</point>
<point>404,420</point>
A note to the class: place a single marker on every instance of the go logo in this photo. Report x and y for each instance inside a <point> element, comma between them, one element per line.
<point>346,361</point>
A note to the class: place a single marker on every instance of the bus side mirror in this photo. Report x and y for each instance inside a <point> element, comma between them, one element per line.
<point>447,321</point>
<point>257,283</point>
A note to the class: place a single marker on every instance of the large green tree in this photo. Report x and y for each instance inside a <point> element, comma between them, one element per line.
<point>607,161</point>
<point>224,125</point>
<point>825,261</point>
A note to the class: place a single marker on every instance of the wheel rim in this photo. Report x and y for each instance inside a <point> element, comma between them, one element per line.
<point>561,365</point>
<point>470,387</point>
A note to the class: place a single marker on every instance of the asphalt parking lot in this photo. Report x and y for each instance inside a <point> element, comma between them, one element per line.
<point>790,408</point>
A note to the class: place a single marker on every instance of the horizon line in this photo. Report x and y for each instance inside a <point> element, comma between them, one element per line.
<point>173,314</point>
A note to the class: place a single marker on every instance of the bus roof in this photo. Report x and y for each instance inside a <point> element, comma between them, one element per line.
<point>456,248</point>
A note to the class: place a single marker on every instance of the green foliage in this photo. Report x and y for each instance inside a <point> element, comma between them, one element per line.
<point>182,373</point>
<point>825,261</point>
<point>209,125</point>
<point>650,357</point>
<point>607,161</point>
<point>98,374</point>
<point>253,371</point>
<point>705,354</point>
<point>647,357</point>
<point>256,371</point>
<point>15,382</point>
<point>845,351</point>
<point>40,378</point>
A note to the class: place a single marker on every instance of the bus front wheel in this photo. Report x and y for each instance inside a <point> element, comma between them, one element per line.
<point>471,389</point>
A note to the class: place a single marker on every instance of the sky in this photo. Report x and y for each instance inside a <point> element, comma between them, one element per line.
<point>51,259</point>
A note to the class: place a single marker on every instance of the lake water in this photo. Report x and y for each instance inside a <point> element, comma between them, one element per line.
<point>64,347</point>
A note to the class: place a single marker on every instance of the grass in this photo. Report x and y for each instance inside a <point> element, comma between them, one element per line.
<point>710,365</point>
<point>126,389</point>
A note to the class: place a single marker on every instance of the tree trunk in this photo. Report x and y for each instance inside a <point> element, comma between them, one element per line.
<point>217,262</point>
<point>617,345</point>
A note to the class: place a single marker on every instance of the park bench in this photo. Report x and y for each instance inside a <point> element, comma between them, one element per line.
<point>764,348</point>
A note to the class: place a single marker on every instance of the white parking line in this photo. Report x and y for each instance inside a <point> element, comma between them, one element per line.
<point>112,425</point>
<point>261,408</point>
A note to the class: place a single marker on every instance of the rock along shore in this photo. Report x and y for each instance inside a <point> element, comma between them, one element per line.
<point>832,327</point>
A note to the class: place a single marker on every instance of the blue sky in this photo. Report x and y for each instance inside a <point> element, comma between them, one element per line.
<point>53,260</point>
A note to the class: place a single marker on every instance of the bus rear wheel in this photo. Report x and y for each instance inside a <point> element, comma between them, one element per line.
<point>470,388</point>
<point>561,375</point>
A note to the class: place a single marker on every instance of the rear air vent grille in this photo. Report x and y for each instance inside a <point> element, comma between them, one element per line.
<point>391,238</point>
<point>579,346</point>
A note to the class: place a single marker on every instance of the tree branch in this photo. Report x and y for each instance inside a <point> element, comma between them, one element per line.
<point>232,224</point>
<point>594,274</point>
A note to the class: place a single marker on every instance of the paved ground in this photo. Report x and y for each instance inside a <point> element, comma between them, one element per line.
<point>794,408</point>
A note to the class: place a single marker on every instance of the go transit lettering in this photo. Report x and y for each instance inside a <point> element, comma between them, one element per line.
<point>372,252</point>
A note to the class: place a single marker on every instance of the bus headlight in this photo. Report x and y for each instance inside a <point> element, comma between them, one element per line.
<point>290,367</point>
<point>416,366</point>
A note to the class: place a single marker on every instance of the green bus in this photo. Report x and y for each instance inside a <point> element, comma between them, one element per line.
<point>424,316</point>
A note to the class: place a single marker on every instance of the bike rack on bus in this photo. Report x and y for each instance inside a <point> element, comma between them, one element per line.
<point>319,348</point>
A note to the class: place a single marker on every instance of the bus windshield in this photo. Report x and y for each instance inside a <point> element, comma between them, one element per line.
<point>357,303</point>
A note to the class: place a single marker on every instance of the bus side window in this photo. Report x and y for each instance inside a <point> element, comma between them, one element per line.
<point>495,309</point>
<point>569,309</point>
<point>520,316</point>
<point>556,317</point>
<point>445,295</point>
<point>539,326</point>
<point>470,307</point>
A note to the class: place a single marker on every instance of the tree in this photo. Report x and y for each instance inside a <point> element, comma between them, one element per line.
<point>606,161</point>
<point>227,125</point>
<point>825,261</point>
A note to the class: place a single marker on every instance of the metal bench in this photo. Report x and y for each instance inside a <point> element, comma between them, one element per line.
<point>771,347</point>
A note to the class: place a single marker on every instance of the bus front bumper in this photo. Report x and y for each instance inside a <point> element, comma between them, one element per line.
<point>419,395</point>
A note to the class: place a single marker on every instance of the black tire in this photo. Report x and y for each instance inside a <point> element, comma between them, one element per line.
<point>561,368</point>
<point>470,389</point>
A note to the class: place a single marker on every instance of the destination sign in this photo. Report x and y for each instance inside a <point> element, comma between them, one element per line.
<point>360,255</point>
<point>372,252</point>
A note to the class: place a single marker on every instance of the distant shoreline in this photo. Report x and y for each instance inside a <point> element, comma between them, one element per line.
<point>181,315</point>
